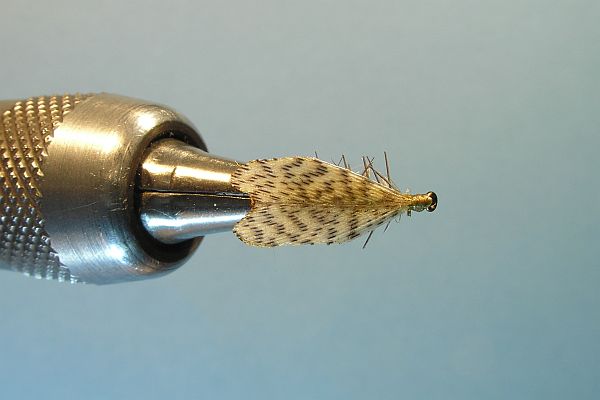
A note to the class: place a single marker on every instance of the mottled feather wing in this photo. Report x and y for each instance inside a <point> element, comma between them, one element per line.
<point>306,180</point>
<point>280,224</point>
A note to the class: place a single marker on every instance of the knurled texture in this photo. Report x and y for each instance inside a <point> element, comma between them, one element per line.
<point>25,133</point>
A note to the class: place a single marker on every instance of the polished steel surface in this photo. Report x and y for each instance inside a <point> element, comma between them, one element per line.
<point>186,192</point>
<point>69,176</point>
<point>126,190</point>
<point>171,165</point>
<point>175,217</point>
<point>89,189</point>
<point>26,132</point>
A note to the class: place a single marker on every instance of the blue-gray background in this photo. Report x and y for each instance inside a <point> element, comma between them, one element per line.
<point>492,104</point>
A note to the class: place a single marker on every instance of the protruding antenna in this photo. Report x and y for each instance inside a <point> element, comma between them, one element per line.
<point>368,237</point>
<point>387,225</point>
<point>366,170</point>
<point>346,165</point>
<point>375,174</point>
<point>383,178</point>
<point>387,167</point>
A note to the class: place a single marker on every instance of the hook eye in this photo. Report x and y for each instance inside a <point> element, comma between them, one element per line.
<point>433,197</point>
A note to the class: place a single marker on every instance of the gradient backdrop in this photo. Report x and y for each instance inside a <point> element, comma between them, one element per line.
<point>492,104</point>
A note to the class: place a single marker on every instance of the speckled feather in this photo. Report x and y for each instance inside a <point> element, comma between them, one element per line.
<point>302,200</point>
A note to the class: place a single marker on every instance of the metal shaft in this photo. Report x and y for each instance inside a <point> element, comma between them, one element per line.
<point>186,192</point>
<point>104,188</point>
